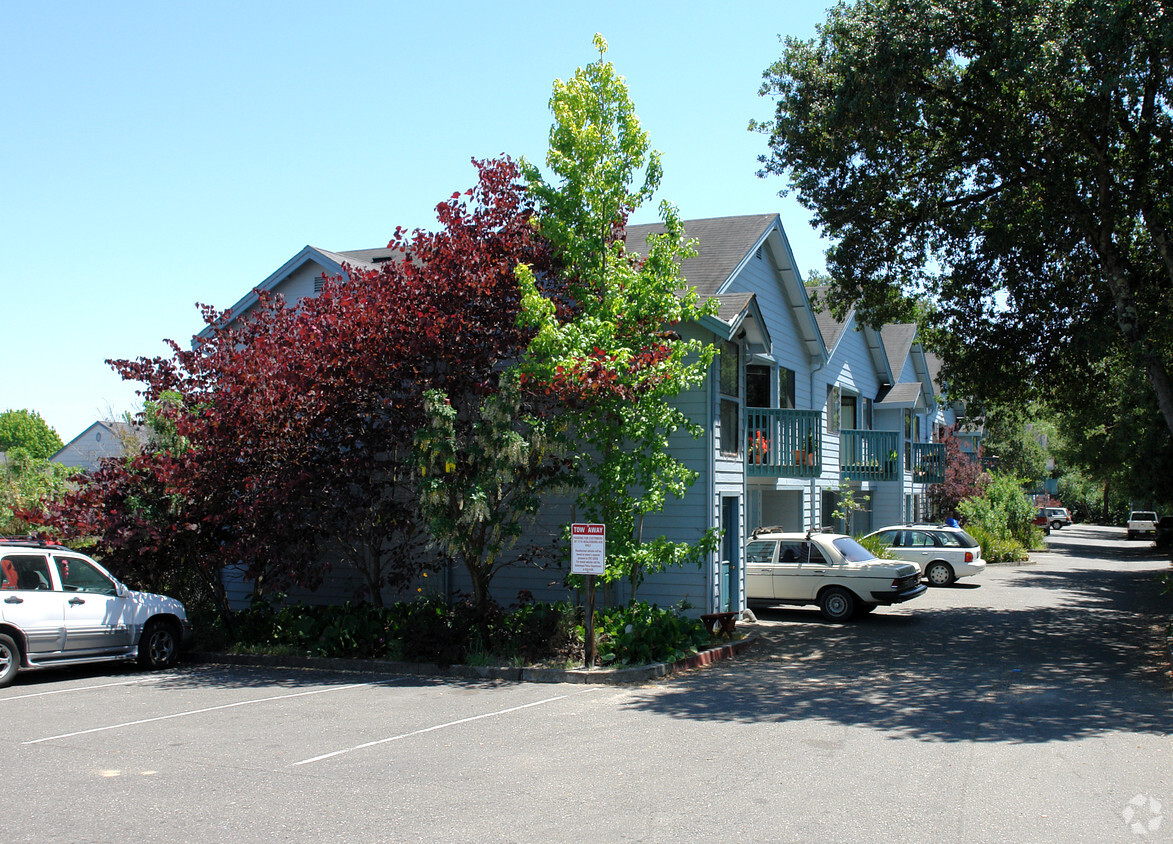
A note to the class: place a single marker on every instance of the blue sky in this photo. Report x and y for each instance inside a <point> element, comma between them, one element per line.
<point>156,155</point>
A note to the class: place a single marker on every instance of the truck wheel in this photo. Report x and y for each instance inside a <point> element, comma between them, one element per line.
<point>837,604</point>
<point>9,660</point>
<point>159,645</point>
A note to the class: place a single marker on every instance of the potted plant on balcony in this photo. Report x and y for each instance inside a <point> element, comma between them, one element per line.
<point>760,449</point>
<point>806,456</point>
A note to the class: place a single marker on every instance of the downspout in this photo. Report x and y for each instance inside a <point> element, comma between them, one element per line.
<point>710,495</point>
<point>813,486</point>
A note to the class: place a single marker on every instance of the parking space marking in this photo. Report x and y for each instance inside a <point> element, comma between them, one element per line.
<point>140,681</point>
<point>438,727</point>
<point>195,712</point>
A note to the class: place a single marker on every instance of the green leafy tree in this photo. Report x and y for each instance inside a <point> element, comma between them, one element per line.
<point>608,351</point>
<point>26,481</point>
<point>1111,432</point>
<point>27,430</point>
<point>482,481</point>
<point>1013,161</point>
<point>1016,436</point>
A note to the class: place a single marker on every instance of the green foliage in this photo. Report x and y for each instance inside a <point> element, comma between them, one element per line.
<point>639,634</point>
<point>879,549</point>
<point>482,480</point>
<point>26,481</point>
<point>1003,514</point>
<point>608,352</point>
<point>25,429</point>
<point>997,548</point>
<point>1010,162</point>
<point>1113,434</point>
<point>425,630</point>
<point>428,630</point>
<point>846,505</point>
<point>1015,436</point>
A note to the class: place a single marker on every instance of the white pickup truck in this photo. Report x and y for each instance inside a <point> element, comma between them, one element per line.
<point>1142,523</point>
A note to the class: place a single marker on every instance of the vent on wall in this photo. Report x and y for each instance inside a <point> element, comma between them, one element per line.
<point>759,253</point>
<point>319,283</point>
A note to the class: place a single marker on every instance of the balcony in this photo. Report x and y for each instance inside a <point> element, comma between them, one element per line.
<point>869,455</point>
<point>783,443</point>
<point>928,463</point>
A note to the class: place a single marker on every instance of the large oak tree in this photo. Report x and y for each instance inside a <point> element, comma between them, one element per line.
<point>1010,161</point>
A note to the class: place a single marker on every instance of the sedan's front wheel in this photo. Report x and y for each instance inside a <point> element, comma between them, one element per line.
<point>837,604</point>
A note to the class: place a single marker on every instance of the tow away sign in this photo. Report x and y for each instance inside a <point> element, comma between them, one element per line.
<point>588,549</point>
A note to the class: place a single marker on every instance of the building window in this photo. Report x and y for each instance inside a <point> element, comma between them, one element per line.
<point>786,389</point>
<point>730,365</point>
<point>730,369</point>
<point>730,428</point>
<point>757,386</point>
<point>849,419</point>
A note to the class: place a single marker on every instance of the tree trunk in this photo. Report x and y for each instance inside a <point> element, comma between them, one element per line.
<point>1128,320</point>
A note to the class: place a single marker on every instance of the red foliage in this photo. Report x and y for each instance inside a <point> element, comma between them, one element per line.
<point>963,478</point>
<point>301,418</point>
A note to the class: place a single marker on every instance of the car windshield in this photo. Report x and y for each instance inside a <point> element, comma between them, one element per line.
<point>1144,516</point>
<point>852,550</point>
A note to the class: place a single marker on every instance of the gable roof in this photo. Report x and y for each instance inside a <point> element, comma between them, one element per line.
<point>723,243</point>
<point>907,394</point>
<point>830,328</point>
<point>898,341</point>
<point>332,264</point>
<point>99,440</point>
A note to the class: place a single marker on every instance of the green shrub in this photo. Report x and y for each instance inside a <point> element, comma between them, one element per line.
<point>642,633</point>
<point>1003,512</point>
<point>425,630</point>
<point>997,549</point>
<point>879,549</point>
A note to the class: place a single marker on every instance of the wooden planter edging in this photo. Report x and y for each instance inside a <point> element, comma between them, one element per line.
<point>615,676</point>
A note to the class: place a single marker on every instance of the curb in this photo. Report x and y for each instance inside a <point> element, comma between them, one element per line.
<point>607,676</point>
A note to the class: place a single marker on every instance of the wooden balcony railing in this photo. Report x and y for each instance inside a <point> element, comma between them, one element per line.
<point>869,455</point>
<point>928,463</point>
<point>784,443</point>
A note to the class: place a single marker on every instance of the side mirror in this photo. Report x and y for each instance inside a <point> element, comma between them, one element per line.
<point>121,590</point>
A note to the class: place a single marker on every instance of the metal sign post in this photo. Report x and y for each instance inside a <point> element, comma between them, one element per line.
<point>588,557</point>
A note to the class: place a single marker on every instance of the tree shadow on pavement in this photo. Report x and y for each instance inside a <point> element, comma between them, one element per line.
<point>1093,664</point>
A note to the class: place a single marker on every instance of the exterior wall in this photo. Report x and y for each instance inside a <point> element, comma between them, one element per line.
<point>788,500</point>
<point>298,285</point>
<point>90,447</point>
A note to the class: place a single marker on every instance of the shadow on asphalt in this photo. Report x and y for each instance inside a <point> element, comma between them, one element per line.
<point>1093,664</point>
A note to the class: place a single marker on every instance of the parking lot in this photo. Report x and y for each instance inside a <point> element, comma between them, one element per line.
<point>1029,704</point>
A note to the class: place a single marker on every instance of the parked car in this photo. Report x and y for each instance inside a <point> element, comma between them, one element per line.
<point>943,553</point>
<point>1057,517</point>
<point>1141,523</point>
<point>831,570</point>
<point>1041,520</point>
<point>59,607</point>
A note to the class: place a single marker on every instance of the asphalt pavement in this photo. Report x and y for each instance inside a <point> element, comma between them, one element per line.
<point>1031,704</point>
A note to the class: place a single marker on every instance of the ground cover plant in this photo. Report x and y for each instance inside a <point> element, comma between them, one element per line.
<point>429,630</point>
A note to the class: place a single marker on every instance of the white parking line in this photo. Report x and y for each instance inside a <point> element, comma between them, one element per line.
<point>140,682</point>
<point>196,712</point>
<point>438,727</point>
